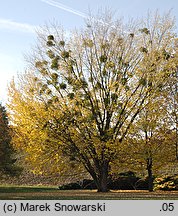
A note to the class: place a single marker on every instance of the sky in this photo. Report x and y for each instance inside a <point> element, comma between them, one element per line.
<point>20,18</point>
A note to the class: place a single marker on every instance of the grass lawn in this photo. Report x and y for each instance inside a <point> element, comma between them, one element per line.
<point>52,193</point>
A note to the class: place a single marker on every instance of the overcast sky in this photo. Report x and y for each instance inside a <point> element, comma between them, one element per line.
<point>19,19</point>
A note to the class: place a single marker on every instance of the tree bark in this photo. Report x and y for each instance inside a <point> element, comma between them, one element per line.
<point>150,174</point>
<point>103,183</point>
<point>102,179</point>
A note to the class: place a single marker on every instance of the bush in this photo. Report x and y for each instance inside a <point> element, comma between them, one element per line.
<point>88,184</point>
<point>142,184</point>
<point>79,185</point>
<point>122,181</point>
<point>127,181</point>
<point>70,186</point>
<point>166,183</point>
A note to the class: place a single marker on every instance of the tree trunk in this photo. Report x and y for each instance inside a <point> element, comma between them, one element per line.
<point>103,183</point>
<point>150,174</point>
<point>102,178</point>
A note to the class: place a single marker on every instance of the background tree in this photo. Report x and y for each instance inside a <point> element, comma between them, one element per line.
<point>90,87</point>
<point>150,143</point>
<point>172,100</point>
<point>7,158</point>
<point>36,145</point>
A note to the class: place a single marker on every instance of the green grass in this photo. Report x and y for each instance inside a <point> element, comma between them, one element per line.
<point>9,192</point>
<point>25,189</point>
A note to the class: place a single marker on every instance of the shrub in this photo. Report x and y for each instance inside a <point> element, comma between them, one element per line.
<point>122,181</point>
<point>79,185</point>
<point>70,186</point>
<point>127,181</point>
<point>166,183</point>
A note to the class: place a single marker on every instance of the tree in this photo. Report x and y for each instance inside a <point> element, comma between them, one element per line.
<point>172,98</point>
<point>7,158</point>
<point>37,147</point>
<point>150,144</point>
<point>90,87</point>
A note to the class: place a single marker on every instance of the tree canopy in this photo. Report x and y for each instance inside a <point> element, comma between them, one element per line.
<point>84,91</point>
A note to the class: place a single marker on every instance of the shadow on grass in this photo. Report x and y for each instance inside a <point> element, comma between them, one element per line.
<point>53,193</point>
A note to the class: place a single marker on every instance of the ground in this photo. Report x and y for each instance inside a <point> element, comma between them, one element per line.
<point>52,193</point>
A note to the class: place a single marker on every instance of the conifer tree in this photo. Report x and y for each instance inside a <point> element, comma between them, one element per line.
<point>7,159</point>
